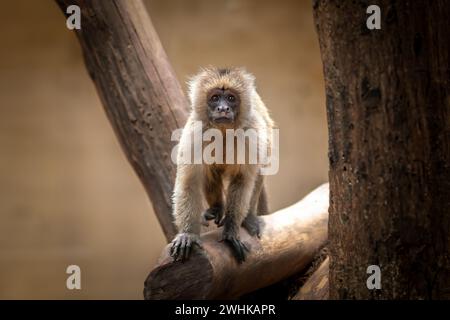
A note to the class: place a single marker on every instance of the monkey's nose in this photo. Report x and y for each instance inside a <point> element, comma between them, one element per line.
<point>225,109</point>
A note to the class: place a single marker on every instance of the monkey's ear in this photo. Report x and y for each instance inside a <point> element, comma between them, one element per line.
<point>194,83</point>
<point>193,87</point>
<point>249,78</point>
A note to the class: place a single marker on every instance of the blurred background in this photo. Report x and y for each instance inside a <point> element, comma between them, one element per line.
<point>67,193</point>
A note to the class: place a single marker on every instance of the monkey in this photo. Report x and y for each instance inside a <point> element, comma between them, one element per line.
<point>221,98</point>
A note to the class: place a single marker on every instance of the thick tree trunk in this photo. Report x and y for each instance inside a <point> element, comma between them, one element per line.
<point>389,148</point>
<point>290,240</point>
<point>141,96</point>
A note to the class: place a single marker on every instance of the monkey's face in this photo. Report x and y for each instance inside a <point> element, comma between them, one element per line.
<point>223,106</point>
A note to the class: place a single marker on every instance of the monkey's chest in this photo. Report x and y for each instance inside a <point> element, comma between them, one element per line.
<point>224,171</point>
<point>227,155</point>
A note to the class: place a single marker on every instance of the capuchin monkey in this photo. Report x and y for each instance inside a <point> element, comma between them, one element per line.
<point>221,99</point>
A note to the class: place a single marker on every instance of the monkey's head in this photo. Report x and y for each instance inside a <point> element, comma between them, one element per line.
<point>222,97</point>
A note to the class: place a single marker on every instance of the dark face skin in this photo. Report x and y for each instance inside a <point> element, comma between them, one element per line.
<point>223,106</point>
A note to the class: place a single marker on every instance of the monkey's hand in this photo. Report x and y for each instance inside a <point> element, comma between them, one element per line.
<point>215,213</point>
<point>230,236</point>
<point>182,244</point>
<point>252,224</point>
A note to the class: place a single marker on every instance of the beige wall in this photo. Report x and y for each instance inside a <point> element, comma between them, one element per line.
<point>67,193</point>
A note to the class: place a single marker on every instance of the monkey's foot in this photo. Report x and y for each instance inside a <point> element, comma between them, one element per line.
<point>238,248</point>
<point>182,244</point>
<point>215,213</point>
<point>252,224</point>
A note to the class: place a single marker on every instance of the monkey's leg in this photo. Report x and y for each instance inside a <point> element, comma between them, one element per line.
<point>238,202</point>
<point>251,222</point>
<point>187,199</point>
<point>214,197</point>
<point>263,206</point>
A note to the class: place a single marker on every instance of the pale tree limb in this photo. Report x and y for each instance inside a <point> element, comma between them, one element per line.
<point>316,287</point>
<point>291,239</point>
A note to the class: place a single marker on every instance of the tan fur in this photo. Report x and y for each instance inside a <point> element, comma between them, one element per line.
<point>241,182</point>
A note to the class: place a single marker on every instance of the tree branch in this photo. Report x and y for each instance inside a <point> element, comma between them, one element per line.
<point>317,286</point>
<point>139,91</point>
<point>290,240</point>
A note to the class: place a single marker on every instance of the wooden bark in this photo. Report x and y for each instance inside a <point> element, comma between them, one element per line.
<point>140,94</point>
<point>389,148</point>
<point>317,286</point>
<point>290,240</point>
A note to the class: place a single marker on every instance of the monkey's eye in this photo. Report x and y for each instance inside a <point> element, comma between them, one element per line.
<point>231,98</point>
<point>215,98</point>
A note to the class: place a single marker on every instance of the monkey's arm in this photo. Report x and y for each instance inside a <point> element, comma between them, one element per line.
<point>187,200</point>
<point>238,202</point>
<point>251,222</point>
<point>214,196</point>
<point>259,184</point>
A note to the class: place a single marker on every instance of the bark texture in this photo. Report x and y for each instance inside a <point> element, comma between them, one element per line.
<point>139,91</point>
<point>290,240</point>
<point>389,146</point>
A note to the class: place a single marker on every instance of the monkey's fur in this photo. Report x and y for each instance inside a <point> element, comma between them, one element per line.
<point>245,197</point>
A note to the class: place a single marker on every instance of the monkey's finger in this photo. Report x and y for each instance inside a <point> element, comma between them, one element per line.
<point>187,251</point>
<point>258,229</point>
<point>218,219</point>
<point>178,245</point>
<point>209,215</point>
<point>221,222</point>
<point>174,254</point>
<point>245,247</point>
<point>175,249</point>
<point>197,242</point>
<point>182,249</point>
<point>238,250</point>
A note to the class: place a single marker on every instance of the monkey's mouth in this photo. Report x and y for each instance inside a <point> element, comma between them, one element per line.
<point>223,119</point>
